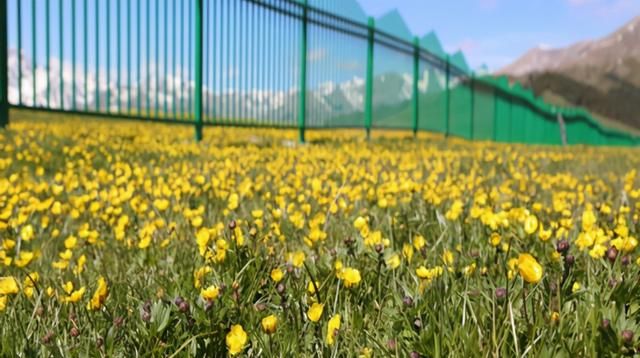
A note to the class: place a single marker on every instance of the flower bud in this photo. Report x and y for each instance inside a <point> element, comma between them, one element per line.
<point>391,344</point>
<point>417,324</point>
<point>232,224</point>
<point>145,316</point>
<point>414,354</point>
<point>626,260</point>
<point>48,337</point>
<point>74,332</point>
<point>183,307</point>
<point>562,246</point>
<point>501,293</point>
<point>281,288</point>
<point>407,301</point>
<point>379,248</point>
<point>612,254</point>
<point>627,337</point>
<point>208,305</point>
<point>605,324</point>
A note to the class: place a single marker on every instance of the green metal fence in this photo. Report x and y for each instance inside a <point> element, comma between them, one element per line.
<point>302,64</point>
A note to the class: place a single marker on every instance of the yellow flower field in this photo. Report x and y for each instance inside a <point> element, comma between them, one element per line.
<point>126,238</point>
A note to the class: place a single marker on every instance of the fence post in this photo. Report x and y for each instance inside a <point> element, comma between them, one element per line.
<point>416,78</point>
<point>447,94</point>
<point>368,99</point>
<point>563,129</point>
<point>302,110</point>
<point>4,85</point>
<point>472,85</point>
<point>198,79</point>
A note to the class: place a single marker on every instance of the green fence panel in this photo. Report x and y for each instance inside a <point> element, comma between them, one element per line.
<point>432,99</point>
<point>484,111</point>
<point>460,102</point>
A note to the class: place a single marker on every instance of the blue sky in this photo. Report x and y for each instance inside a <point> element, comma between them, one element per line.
<point>497,32</point>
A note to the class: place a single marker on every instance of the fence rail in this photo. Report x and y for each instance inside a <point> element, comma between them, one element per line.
<point>244,63</point>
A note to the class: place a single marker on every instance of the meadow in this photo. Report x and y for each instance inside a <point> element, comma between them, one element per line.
<point>130,239</point>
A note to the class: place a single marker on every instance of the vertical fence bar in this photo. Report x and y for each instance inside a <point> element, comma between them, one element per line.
<point>416,78</point>
<point>61,40</point>
<point>35,48</point>
<point>97,20</point>
<point>447,97</point>
<point>73,55</point>
<point>108,20</point>
<point>129,88</point>
<point>157,59</point>
<point>302,111</point>
<point>119,51</point>
<point>148,57</point>
<point>4,86</point>
<point>198,79</point>
<point>166,57</point>
<point>86,55</point>
<point>47,24</point>
<point>368,99</point>
<point>19,25</point>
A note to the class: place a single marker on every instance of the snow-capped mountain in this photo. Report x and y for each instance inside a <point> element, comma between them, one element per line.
<point>56,90</point>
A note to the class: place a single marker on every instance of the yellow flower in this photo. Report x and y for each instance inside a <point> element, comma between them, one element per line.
<point>198,275</point>
<point>419,242</point>
<point>24,258</point>
<point>269,324</point>
<point>531,224</point>
<point>29,284</point>
<point>75,296</point>
<point>233,201</point>
<point>394,261</point>
<point>67,287</point>
<point>555,317</point>
<point>315,312</point>
<point>202,239</point>
<point>407,252</point>
<point>161,204</point>
<point>332,329</point>
<point>360,222</point>
<point>588,220</point>
<point>575,287</point>
<point>277,275</point>
<point>311,288</point>
<point>495,239</point>
<point>102,291</point>
<point>70,242</point>
<point>350,276</point>
<point>429,274</point>
<point>296,258</point>
<point>27,233</point>
<point>8,286</point>
<point>210,293</point>
<point>236,339</point>
<point>529,268</point>
<point>627,244</point>
<point>447,257</point>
